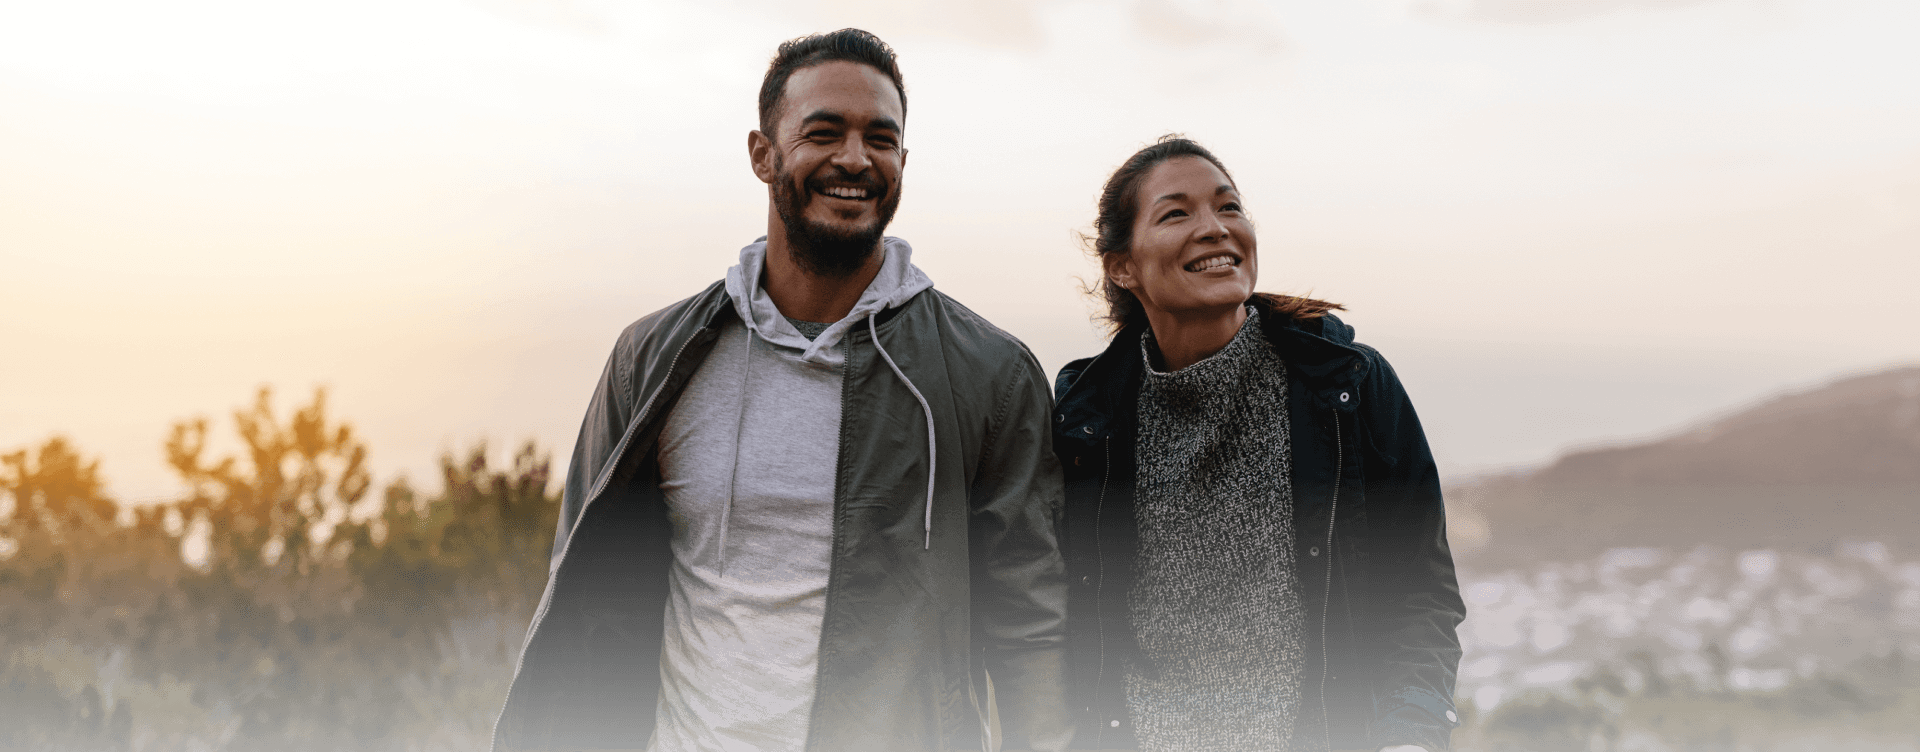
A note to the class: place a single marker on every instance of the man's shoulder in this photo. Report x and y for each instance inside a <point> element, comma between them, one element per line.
<point>681,317</point>
<point>972,337</point>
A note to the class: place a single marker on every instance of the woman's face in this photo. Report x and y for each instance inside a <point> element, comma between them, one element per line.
<point>1193,247</point>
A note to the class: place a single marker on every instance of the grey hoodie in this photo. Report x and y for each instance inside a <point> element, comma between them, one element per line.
<point>898,281</point>
<point>747,459</point>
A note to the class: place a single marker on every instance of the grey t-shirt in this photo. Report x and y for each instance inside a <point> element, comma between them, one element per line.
<point>747,461</point>
<point>809,329</point>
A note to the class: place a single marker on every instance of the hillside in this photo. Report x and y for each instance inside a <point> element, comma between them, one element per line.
<point>1802,471</point>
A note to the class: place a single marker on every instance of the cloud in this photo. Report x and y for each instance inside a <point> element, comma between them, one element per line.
<point>1024,25</point>
<point>1013,24</point>
<point>1538,11</point>
<point>1193,23</point>
<point>564,15</point>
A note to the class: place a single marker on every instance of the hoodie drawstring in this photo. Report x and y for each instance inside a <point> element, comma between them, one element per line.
<point>927,523</point>
<point>739,428</point>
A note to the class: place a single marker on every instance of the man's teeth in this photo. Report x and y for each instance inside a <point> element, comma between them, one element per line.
<point>1214,262</point>
<point>853,193</point>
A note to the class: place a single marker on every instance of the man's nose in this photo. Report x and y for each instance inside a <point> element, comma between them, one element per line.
<point>852,155</point>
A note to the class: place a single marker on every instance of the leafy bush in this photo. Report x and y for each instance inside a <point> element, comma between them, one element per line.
<point>275,606</point>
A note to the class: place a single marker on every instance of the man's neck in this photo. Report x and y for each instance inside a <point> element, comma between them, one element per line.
<point>801,294</point>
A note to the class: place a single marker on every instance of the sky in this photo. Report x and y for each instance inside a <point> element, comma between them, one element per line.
<point>1565,222</point>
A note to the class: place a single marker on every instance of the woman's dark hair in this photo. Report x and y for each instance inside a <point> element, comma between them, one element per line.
<point>851,45</point>
<point>1113,233</point>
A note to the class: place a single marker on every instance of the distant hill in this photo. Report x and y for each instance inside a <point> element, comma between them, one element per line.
<point>1802,471</point>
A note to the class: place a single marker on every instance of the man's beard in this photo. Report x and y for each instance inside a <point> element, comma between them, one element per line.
<point>825,250</point>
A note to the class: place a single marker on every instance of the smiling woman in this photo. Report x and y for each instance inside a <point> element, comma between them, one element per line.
<point>1252,512</point>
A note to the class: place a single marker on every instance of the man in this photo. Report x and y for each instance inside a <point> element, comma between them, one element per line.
<point>813,506</point>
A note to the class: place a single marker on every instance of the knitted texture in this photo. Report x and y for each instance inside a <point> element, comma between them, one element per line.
<point>1216,600</point>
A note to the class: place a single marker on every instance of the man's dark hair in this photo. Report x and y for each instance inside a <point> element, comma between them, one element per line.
<point>852,45</point>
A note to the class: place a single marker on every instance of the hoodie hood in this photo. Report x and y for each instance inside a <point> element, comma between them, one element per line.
<point>898,281</point>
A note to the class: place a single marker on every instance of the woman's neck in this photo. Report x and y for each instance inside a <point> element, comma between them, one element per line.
<point>1188,339</point>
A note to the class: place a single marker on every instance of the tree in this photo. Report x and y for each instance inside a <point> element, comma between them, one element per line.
<point>54,515</point>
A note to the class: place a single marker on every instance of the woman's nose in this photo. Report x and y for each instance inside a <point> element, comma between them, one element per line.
<point>1213,229</point>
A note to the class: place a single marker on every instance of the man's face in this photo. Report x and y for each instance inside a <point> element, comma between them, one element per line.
<point>833,164</point>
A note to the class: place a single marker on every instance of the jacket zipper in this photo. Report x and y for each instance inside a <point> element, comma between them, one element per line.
<point>619,454</point>
<point>1100,582</point>
<point>1326,605</point>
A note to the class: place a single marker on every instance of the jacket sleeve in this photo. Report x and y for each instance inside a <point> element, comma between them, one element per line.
<point>1020,588</point>
<point>1415,599</point>
<point>600,431</point>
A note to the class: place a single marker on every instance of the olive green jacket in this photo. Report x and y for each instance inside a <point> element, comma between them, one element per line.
<point>915,618</point>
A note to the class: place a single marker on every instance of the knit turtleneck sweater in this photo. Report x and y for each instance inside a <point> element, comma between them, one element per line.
<point>1216,600</point>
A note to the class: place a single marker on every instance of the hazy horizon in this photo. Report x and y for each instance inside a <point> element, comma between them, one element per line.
<point>1565,222</point>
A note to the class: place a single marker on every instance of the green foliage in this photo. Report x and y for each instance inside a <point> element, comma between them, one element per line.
<point>277,605</point>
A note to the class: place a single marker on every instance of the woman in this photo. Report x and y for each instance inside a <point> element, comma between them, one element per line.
<point>1254,531</point>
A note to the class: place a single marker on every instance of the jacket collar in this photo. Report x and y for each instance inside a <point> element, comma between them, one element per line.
<point>1097,394</point>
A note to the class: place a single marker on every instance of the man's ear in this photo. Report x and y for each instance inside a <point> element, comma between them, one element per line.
<point>1119,269</point>
<point>760,153</point>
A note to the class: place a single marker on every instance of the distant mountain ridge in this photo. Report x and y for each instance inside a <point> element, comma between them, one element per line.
<point>1801,471</point>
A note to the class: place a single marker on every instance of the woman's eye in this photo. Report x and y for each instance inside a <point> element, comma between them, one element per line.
<point>1172,214</point>
<point>1231,206</point>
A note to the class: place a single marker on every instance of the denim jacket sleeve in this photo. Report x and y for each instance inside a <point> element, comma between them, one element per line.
<point>1415,603</point>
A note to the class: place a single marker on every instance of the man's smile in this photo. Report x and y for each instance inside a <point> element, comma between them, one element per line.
<point>850,193</point>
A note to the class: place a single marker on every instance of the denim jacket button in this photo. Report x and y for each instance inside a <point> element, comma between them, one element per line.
<point>1344,396</point>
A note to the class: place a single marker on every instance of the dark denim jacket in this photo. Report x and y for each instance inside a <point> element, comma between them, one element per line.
<point>1370,541</point>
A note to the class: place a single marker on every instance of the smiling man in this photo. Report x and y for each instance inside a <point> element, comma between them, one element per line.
<point>812,507</point>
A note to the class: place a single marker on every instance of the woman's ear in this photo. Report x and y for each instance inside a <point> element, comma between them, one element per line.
<point>1119,269</point>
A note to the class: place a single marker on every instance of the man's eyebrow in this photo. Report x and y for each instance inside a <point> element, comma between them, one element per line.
<point>825,116</point>
<point>834,118</point>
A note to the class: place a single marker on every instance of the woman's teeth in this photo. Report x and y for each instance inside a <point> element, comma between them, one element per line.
<point>1211,262</point>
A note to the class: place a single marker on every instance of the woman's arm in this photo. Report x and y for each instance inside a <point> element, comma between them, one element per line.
<point>1414,604</point>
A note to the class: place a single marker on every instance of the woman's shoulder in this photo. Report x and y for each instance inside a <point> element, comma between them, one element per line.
<point>1070,373</point>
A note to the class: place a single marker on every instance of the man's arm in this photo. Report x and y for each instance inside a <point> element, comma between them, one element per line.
<point>1415,599</point>
<point>1020,586</point>
<point>600,430</point>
